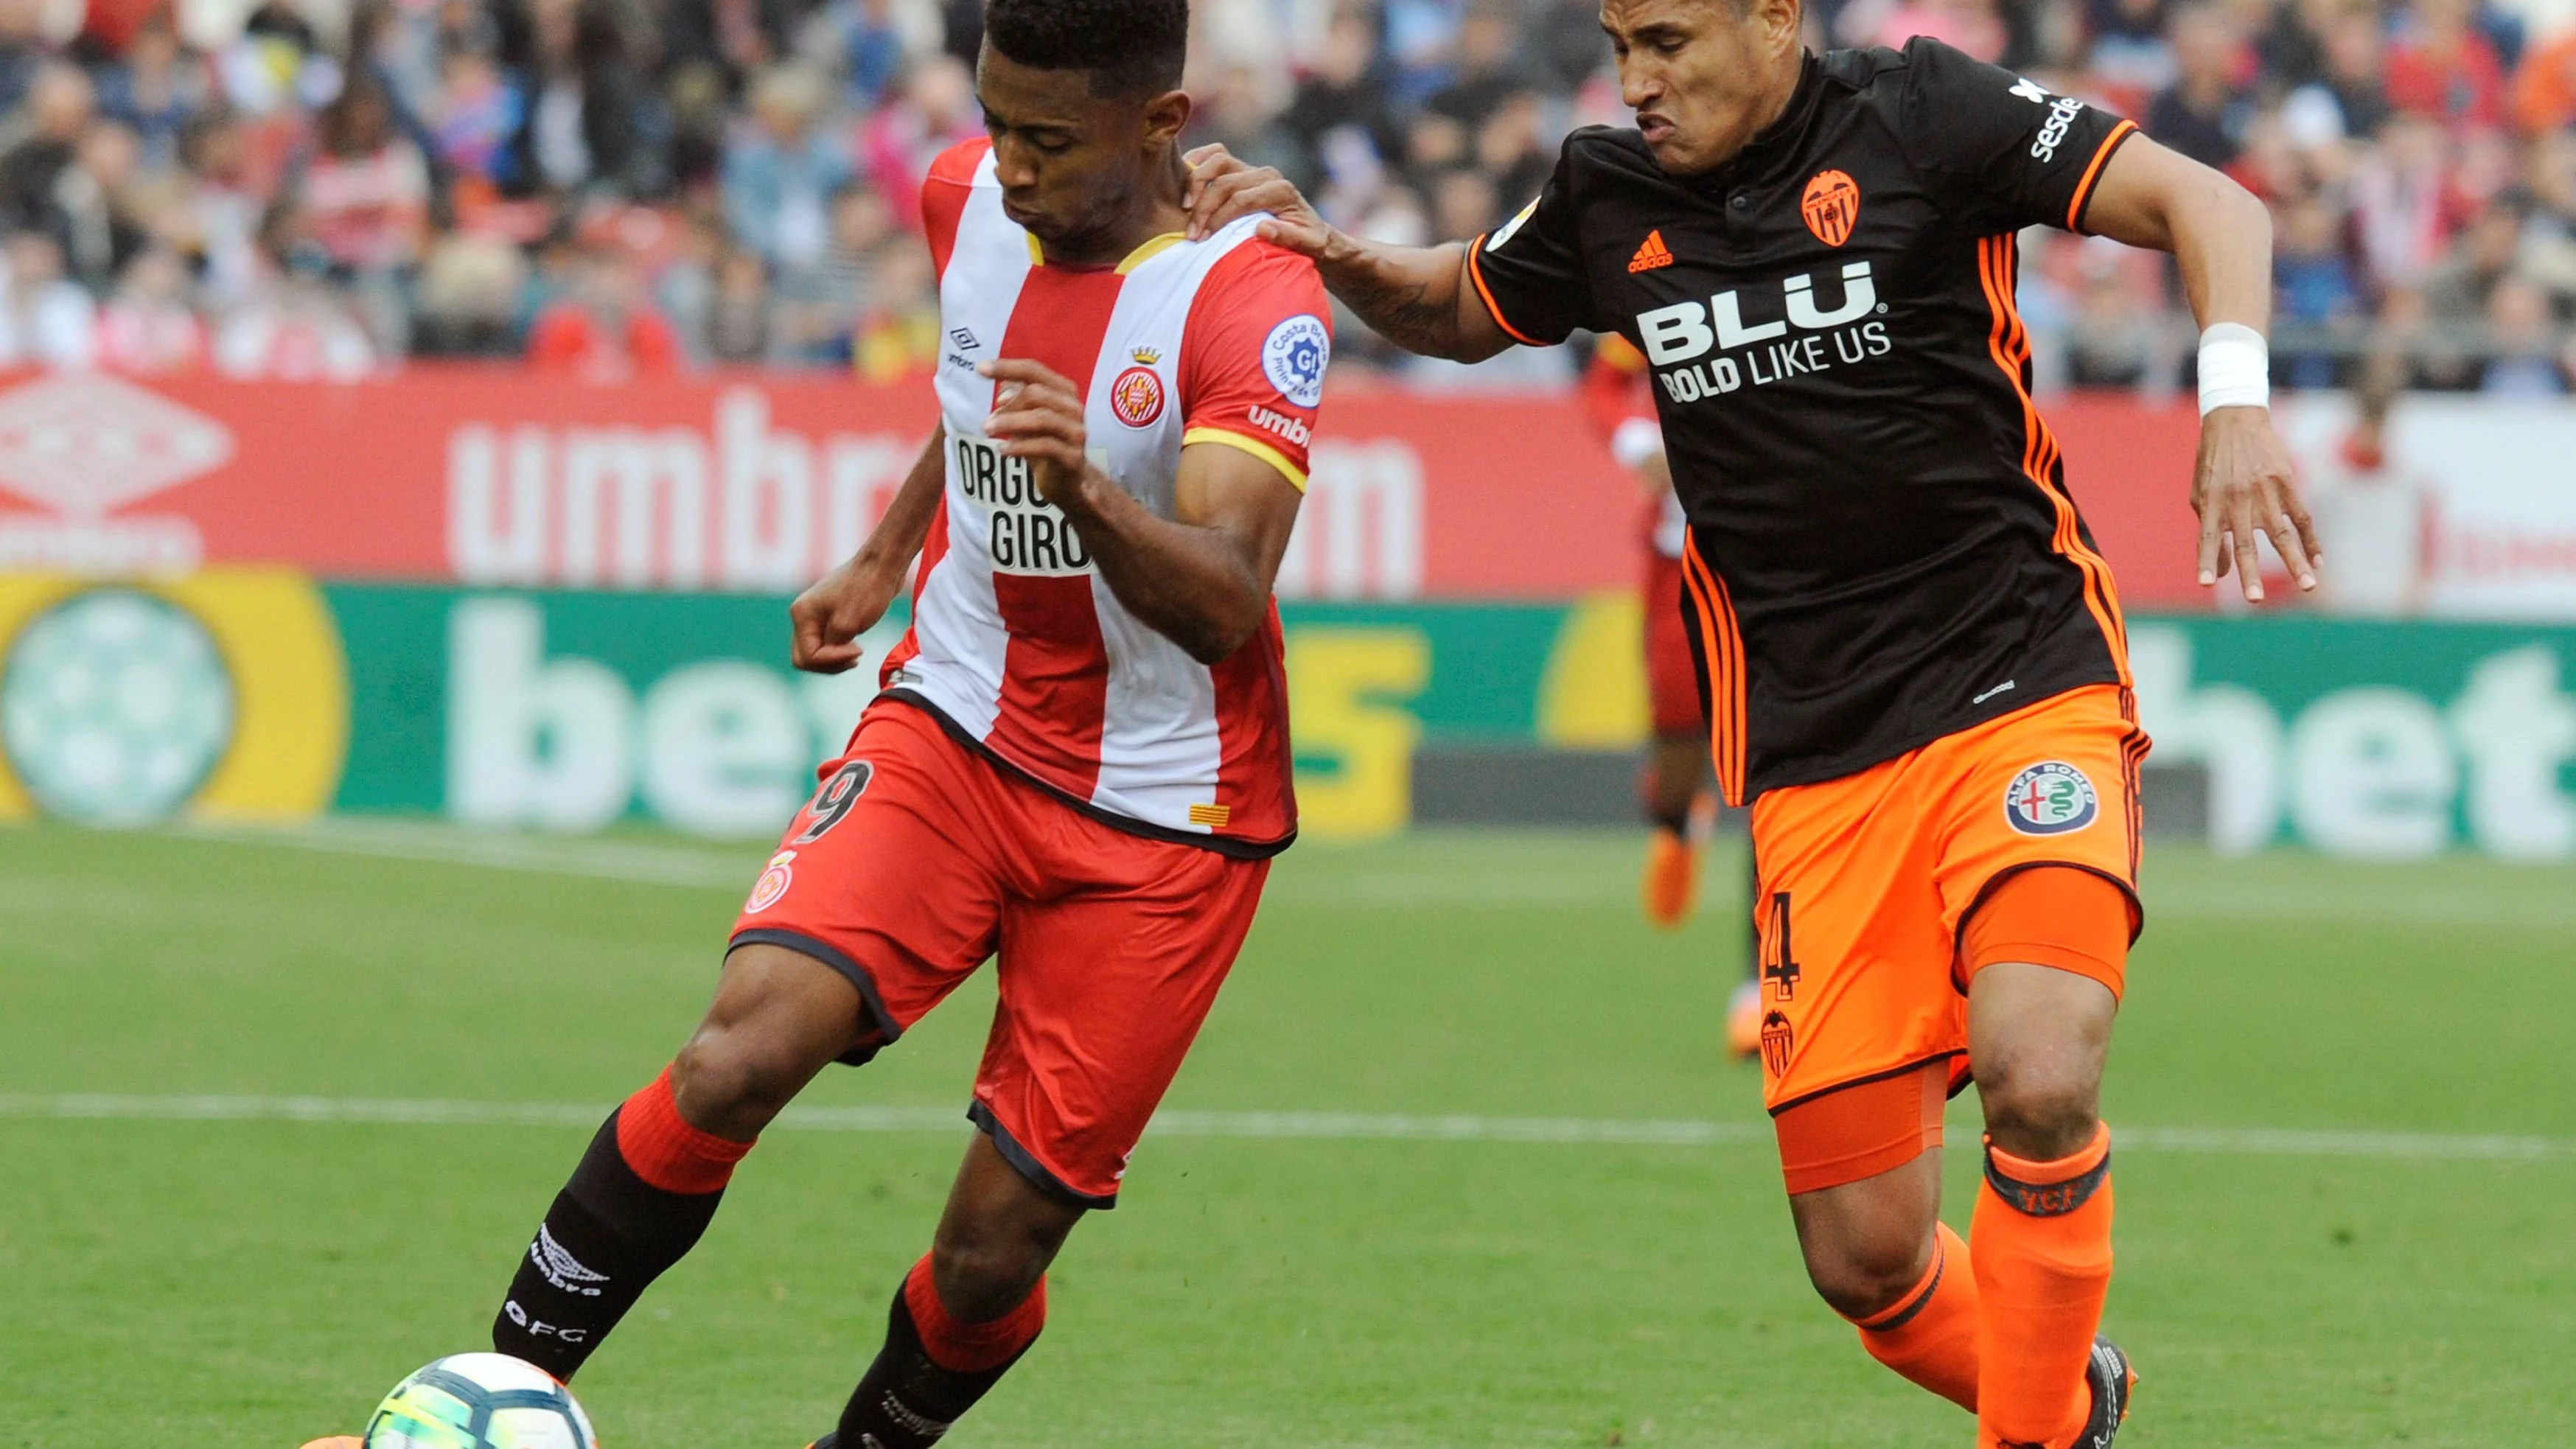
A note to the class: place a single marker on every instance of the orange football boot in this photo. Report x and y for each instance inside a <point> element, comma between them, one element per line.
<point>1671,884</point>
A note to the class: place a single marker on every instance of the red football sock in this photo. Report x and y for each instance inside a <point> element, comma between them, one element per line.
<point>2043,1266</point>
<point>665,1150</point>
<point>970,1347</point>
<point>1930,1335</point>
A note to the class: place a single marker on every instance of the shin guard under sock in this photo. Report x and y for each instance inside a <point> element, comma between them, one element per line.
<point>933,1368</point>
<point>1930,1335</point>
<point>2042,1240</point>
<point>641,1197</point>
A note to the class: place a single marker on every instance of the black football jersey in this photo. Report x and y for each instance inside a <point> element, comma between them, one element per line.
<point>1883,547</point>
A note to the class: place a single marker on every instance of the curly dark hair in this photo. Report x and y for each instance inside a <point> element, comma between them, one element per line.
<point>1131,47</point>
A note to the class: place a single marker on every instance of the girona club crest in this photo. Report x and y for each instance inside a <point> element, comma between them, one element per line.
<point>1137,396</point>
<point>1831,206</point>
<point>773,883</point>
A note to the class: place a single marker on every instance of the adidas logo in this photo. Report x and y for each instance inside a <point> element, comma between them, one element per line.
<point>1651,253</point>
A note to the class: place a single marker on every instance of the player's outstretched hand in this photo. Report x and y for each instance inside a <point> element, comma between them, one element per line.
<point>1224,186</point>
<point>1038,416</point>
<point>842,605</point>
<point>2242,489</point>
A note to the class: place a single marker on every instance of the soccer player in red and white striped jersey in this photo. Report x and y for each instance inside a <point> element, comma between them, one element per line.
<point>1080,759</point>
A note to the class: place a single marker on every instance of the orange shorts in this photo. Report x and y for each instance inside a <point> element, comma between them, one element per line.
<point>1870,897</point>
<point>918,858</point>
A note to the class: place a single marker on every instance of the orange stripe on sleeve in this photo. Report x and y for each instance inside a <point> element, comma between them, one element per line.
<point>2093,173</point>
<point>1476,274</point>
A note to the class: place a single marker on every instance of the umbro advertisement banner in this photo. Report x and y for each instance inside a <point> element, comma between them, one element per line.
<point>488,477</point>
<point>244,695</point>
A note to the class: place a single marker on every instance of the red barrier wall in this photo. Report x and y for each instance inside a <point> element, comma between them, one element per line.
<point>757,482</point>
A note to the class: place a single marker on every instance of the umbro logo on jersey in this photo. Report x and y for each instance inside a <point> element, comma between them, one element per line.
<point>1282,424</point>
<point>964,339</point>
<point>1651,253</point>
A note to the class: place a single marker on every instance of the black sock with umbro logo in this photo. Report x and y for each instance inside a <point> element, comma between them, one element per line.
<point>611,1232</point>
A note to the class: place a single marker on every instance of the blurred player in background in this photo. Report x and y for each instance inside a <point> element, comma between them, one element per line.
<point>1675,786</point>
<point>1080,760</point>
<point>2375,505</point>
<point>1916,664</point>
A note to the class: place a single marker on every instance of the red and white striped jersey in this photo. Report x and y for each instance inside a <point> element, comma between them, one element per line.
<point>1016,641</point>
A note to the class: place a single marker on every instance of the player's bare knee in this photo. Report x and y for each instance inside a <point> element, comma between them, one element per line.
<point>731,1084</point>
<point>984,1271</point>
<point>1862,1276</point>
<point>2040,1108</point>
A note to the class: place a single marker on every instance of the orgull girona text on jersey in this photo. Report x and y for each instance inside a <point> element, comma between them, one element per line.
<point>1807,337</point>
<point>1028,535</point>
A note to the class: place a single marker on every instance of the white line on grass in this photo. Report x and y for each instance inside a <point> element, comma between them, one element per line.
<point>1313,1126</point>
<point>2371,902</point>
<point>439,844</point>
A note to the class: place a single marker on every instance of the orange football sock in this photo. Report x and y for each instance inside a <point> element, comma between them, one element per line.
<point>1930,1336</point>
<point>2043,1266</point>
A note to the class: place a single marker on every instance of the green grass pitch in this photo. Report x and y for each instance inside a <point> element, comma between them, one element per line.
<point>254,1283</point>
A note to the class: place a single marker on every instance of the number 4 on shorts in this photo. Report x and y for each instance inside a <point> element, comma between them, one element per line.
<point>1782,968</point>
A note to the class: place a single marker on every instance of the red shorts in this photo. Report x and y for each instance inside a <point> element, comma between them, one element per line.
<point>919,858</point>
<point>1672,678</point>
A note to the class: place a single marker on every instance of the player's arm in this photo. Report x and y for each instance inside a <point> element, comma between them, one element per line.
<point>1202,577</point>
<point>848,601</point>
<point>1422,299</point>
<point>2221,236</point>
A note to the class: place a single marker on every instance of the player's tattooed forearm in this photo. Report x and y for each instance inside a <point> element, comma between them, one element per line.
<point>1403,312</point>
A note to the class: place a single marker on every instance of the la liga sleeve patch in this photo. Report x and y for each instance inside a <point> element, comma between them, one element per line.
<point>1293,357</point>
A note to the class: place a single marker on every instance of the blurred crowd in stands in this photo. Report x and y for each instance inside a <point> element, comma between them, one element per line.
<point>614,188</point>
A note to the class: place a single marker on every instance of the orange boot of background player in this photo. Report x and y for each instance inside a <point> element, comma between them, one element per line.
<point>1670,887</point>
<point>1671,884</point>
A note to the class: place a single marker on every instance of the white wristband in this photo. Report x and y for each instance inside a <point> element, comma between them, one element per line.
<point>1636,440</point>
<point>2235,368</point>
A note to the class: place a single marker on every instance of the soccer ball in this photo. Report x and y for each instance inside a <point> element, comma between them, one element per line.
<point>480,1401</point>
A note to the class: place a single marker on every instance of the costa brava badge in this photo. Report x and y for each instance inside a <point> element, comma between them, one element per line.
<point>2051,798</point>
<point>1293,358</point>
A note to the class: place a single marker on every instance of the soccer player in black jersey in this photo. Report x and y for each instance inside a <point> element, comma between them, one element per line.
<point>1913,654</point>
